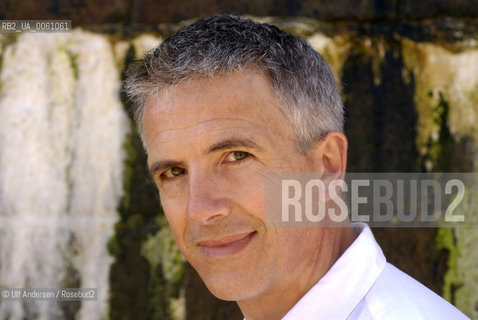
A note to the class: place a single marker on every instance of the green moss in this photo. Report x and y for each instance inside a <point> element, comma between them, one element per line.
<point>433,141</point>
<point>114,247</point>
<point>464,285</point>
<point>437,158</point>
<point>446,240</point>
<point>160,249</point>
<point>74,63</point>
<point>167,270</point>
<point>439,141</point>
<point>446,104</point>
<point>458,287</point>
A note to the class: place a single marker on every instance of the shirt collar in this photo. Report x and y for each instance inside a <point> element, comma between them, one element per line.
<point>340,290</point>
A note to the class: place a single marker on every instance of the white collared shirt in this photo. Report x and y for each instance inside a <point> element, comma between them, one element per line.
<point>362,285</point>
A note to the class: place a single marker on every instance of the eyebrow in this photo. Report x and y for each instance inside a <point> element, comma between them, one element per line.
<point>231,143</point>
<point>235,142</point>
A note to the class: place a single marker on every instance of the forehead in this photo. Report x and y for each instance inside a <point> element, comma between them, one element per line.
<point>241,101</point>
<point>213,93</point>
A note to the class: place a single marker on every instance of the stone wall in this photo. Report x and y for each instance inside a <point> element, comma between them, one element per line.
<point>409,79</point>
<point>87,12</point>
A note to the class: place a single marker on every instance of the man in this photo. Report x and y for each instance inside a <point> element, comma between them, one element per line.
<point>221,104</point>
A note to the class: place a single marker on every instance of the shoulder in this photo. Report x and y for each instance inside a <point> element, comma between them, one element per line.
<point>396,295</point>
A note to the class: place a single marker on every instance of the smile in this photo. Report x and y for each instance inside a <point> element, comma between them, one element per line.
<point>225,246</point>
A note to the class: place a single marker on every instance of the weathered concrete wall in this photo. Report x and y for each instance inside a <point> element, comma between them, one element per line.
<point>87,12</point>
<point>408,71</point>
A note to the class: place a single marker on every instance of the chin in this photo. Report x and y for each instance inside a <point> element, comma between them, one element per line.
<point>226,296</point>
<point>230,289</point>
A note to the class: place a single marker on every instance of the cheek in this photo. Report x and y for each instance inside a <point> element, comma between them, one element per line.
<point>249,194</point>
<point>173,197</point>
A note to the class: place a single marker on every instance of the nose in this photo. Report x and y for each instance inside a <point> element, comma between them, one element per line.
<point>207,202</point>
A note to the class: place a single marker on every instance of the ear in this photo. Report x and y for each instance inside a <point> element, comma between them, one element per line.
<point>331,153</point>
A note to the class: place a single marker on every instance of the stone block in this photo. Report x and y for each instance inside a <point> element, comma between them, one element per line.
<point>81,12</point>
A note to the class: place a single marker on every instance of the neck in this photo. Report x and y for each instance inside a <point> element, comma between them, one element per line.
<point>278,300</point>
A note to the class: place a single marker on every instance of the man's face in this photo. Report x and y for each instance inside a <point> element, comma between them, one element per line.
<point>210,144</point>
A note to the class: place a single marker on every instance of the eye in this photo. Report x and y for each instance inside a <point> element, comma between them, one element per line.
<point>237,156</point>
<point>173,172</point>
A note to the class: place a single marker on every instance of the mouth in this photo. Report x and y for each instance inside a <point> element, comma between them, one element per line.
<point>225,246</point>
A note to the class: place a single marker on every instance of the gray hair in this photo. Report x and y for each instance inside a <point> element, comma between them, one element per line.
<point>219,45</point>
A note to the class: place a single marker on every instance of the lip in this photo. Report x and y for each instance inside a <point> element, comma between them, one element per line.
<point>225,246</point>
